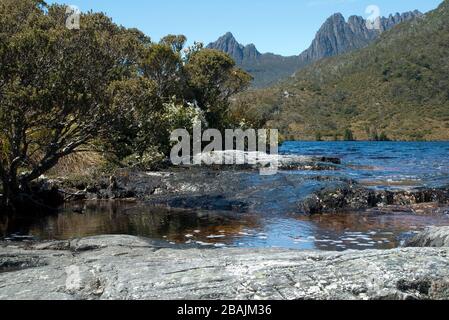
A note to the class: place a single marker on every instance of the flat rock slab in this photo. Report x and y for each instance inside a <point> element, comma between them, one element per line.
<point>125,267</point>
<point>432,237</point>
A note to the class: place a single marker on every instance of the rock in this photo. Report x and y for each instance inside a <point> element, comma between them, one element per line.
<point>245,160</point>
<point>232,188</point>
<point>433,237</point>
<point>125,267</point>
<point>243,189</point>
<point>350,196</point>
<point>99,242</point>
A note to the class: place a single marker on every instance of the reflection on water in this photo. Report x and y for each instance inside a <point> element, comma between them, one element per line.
<point>218,229</point>
<point>358,231</point>
<point>97,218</point>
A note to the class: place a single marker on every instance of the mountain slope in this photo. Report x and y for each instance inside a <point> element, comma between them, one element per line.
<point>397,86</point>
<point>335,37</point>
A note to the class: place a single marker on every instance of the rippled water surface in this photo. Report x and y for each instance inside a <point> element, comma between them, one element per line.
<point>378,165</point>
<point>384,164</point>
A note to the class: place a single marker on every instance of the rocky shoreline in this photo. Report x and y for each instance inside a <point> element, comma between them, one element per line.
<point>125,267</point>
<point>243,190</point>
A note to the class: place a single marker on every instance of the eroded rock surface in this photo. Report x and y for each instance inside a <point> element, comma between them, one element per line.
<point>125,267</point>
<point>432,237</point>
<point>347,196</point>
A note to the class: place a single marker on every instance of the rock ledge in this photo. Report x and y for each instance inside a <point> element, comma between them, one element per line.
<point>126,267</point>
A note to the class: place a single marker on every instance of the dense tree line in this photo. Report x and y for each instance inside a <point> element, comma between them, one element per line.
<point>101,87</point>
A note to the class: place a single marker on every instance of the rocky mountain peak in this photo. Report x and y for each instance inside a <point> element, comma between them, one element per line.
<point>228,44</point>
<point>337,36</point>
<point>336,17</point>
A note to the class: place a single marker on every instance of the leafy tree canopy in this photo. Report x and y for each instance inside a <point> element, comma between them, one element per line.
<point>101,87</point>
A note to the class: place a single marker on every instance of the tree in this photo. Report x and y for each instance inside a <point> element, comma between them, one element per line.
<point>137,125</point>
<point>175,42</point>
<point>170,93</point>
<point>383,137</point>
<point>103,86</point>
<point>348,135</point>
<point>213,79</point>
<point>55,96</point>
<point>165,67</point>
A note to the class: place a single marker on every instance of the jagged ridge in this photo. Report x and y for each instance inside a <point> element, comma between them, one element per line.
<point>335,37</point>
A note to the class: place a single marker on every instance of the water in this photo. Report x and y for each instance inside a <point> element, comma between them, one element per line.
<point>229,229</point>
<point>384,164</point>
<point>378,165</point>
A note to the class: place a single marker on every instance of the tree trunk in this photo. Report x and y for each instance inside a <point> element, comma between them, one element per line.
<point>10,192</point>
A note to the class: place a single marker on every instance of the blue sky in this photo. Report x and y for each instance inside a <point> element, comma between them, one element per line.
<point>281,26</point>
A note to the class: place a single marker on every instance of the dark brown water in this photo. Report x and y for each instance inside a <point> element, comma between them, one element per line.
<point>217,229</point>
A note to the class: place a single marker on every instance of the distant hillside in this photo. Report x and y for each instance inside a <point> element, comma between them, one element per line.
<point>396,87</point>
<point>335,37</point>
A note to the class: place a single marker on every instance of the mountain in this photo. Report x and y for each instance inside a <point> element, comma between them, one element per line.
<point>266,68</point>
<point>336,36</point>
<point>241,54</point>
<point>396,87</point>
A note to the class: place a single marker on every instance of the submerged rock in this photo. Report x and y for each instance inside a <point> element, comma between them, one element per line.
<point>125,267</point>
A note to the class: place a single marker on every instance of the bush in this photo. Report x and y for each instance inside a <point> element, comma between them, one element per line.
<point>348,135</point>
